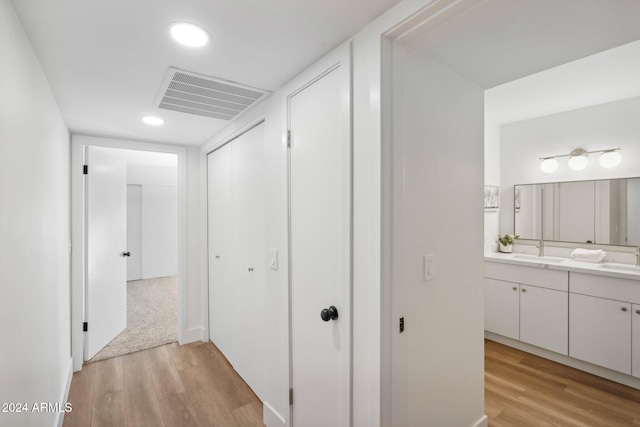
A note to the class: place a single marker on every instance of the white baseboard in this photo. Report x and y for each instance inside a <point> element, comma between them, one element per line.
<point>192,335</point>
<point>599,371</point>
<point>270,417</point>
<point>482,422</point>
<point>65,393</point>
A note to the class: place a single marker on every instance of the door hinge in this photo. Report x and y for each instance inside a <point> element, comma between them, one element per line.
<point>290,396</point>
<point>401,325</point>
<point>288,138</point>
<point>85,326</point>
<point>85,169</point>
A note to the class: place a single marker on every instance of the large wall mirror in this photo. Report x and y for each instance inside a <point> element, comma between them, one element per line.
<point>604,211</point>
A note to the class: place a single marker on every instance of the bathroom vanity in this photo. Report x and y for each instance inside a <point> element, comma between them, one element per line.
<point>579,314</point>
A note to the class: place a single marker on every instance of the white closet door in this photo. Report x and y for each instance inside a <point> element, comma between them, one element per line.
<point>248,254</point>
<point>320,251</point>
<point>222,329</point>
<point>134,232</point>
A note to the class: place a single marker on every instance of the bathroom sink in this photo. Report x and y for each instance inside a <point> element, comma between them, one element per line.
<point>544,259</point>
<point>616,266</point>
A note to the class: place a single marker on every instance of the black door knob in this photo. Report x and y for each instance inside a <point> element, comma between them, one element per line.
<point>126,253</point>
<point>330,313</point>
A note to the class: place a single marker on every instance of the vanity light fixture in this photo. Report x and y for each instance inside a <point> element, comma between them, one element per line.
<point>578,159</point>
<point>189,34</point>
<point>549,165</point>
<point>610,159</point>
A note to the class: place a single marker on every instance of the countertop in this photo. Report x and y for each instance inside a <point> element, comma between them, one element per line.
<point>622,271</point>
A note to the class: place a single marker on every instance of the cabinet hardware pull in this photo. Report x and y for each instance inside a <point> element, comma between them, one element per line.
<point>524,290</point>
<point>624,309</point>
<point>637,311</point>
<point>515,288</point>
<point>250,269</point>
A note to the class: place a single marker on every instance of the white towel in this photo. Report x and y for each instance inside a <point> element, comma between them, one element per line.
<point>588,255</point>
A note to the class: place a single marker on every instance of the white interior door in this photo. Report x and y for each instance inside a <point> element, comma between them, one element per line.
<point>134,232</point>
<point>221,292</point>
<point>320,233</point>
<point>106,201</point>
<point>247,250</point>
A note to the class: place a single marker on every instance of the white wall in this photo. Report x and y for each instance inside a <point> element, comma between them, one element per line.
<point>603,126</point>
<point>437,180</point>
<point>152,175</point>
<point>491,177</point>
<point>159,213</point>
<point>35,360</point>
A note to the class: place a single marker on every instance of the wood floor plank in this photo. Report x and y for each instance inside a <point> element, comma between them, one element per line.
<point>143,408</point>
<point>81,397</point>
<point>205,399</point>
<point>177,411</point>
<point>109,410</point>
<point>163,372</point>
<point>108,376</point>
<point>181,355</point>
<point>249,415</point>
<point>522,389</point>
<point>235,392</point>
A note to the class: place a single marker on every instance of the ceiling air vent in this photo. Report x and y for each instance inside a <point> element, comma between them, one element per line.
<point>193,93</point>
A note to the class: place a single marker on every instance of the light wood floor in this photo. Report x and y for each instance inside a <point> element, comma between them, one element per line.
<point>170,385</point>
<point>524,390</point>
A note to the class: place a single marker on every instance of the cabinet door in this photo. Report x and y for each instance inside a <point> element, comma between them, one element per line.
<point>600,332</point>
<point>635,341</point>
<point>544,318</point>
<point>501,311</point>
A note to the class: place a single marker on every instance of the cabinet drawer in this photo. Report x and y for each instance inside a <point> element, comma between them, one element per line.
<point>541,277</point>
<point>605,287</point>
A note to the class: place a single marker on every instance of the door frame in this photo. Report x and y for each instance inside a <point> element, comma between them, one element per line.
<point>78,232</point>
<point>340,61</point>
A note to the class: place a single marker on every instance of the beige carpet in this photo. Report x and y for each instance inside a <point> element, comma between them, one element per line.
<point>152,317</point>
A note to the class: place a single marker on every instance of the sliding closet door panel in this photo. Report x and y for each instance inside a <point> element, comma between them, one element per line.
<point>248,254</point>
<point>221,292</point>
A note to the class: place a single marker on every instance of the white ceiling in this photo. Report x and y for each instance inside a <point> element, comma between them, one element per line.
<point>604,77</point>
<point>499,41</point>
<point>105,60</point>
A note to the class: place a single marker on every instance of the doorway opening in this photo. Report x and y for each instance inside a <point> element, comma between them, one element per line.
<point>129,221</point>
<point>151,253</point>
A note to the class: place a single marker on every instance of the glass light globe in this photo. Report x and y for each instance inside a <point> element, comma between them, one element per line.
<point>577,163</point>
<point>610,159</point>
<point>549,165</point>
<point>153,121</point>
<point>189,34</point>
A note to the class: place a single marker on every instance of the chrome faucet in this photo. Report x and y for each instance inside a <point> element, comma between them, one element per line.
<point>540,247</point>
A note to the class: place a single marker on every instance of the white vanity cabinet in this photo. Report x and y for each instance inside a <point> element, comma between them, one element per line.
<point>601,316</point>
<point>600,331</point>
<point>501,308</point>
<point>544,315</point>
<point>529,304</point>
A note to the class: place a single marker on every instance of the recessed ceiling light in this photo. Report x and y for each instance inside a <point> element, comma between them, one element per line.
<point>152,120</point>
<point>189,34</point>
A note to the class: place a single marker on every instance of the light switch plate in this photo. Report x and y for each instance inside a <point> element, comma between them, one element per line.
<point>428,267</point>
<point>273,259</point>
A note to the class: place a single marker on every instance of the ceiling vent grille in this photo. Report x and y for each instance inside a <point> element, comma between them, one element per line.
<point>193,93</point>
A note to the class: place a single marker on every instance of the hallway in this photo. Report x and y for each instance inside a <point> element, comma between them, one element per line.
<point>170,385</point>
